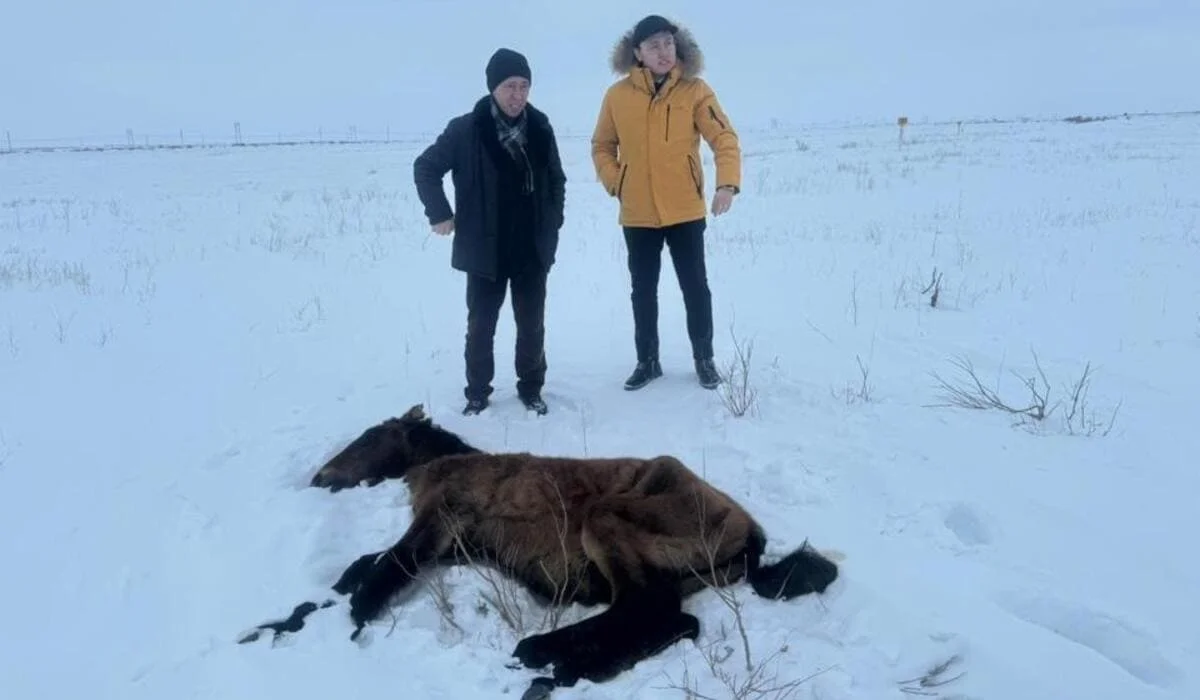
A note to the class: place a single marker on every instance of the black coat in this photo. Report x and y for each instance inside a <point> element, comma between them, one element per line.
<point>497,230</point>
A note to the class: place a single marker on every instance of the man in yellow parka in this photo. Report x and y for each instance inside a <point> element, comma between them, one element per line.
<point>646,150</point>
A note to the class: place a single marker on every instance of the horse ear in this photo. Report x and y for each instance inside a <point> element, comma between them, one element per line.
<point>416,413</point>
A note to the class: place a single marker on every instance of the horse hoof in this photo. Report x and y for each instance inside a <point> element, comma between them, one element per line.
<point>539,689</point>
<point>251,636</point>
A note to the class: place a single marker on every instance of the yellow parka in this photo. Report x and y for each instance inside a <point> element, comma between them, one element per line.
<point>646,145</point>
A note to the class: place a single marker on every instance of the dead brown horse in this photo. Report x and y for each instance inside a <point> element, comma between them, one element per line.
<point>637,535</point>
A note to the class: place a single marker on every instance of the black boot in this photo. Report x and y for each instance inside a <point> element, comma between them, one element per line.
<point>534,402</point>
<point>706,371</point>
<point>475,406</point>
<point>643,374</point>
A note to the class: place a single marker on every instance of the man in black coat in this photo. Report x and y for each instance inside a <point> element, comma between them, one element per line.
<point>509,191</point>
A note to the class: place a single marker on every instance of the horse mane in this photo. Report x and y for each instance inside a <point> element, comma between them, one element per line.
<point>437,441</point>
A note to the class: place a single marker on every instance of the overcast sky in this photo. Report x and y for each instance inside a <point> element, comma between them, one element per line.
<point>78,69</point>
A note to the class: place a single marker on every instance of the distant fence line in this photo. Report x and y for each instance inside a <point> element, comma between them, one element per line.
<point>235,136</point>
<point>184,139</point>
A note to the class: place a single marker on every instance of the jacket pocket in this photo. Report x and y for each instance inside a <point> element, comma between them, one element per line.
<point>712,112</point>
<point>621,182</point>
<point>696,181</point>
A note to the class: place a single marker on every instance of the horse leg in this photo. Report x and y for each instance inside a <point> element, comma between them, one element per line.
<point>347,582</point>
<point>353,576</point>
<point>640,623</point>
<point>421,546</point>
<point>290,624</point>
<point>650,622</point>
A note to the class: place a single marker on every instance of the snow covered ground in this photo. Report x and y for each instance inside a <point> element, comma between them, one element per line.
<point>185,336</point>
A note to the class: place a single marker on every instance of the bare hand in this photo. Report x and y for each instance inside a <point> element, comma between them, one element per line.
<point>444,228</point>
<point>722,200</point>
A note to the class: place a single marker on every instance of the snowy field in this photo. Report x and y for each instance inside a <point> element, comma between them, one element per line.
<point>185,336</point>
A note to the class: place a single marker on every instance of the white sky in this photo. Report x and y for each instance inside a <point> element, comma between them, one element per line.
<point>76,69</point>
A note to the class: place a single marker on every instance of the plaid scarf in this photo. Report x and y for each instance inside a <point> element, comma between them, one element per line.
<point>512,135</point>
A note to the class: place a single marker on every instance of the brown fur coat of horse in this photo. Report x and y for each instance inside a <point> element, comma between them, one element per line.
<point>638,535</point>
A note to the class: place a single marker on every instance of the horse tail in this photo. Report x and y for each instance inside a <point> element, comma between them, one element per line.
<point>803,571</point>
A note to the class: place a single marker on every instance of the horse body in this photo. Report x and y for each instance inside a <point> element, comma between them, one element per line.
<point>582,529</point>
<point>639,535</point>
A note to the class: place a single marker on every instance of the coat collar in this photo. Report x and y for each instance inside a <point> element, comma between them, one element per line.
<point>482,113</point>
<point>643,80</point>
<point>538,132</point>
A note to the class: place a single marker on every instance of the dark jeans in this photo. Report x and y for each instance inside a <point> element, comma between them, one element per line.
<point>686,244</point>
<point>484,299</point>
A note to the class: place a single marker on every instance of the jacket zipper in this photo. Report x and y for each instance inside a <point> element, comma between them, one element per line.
<point>667,133</point>
<point>649,171</point>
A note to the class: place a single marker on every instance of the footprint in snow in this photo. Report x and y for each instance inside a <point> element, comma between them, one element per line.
<point>965,523</point>
<point>1131,649</point>
<point>957,527</point>
<point>222,458</point>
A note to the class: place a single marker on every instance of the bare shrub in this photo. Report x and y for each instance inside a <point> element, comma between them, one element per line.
<point>912,285</point>
<point>974,395</point>
<point>570,584</point>
<point>757,680</point>
<point>308,314</point>
<point>62,326</point>
<point>5,452</point>
<point>503,594</point>
<point>861,391</point>
<point>1078,417</point>
<point>738,392</point>
<point>436,581</point>
<point>18,268</point>
<point>934,288</point>
<point>761,682</point>
<point>854,298</point>
<point>719,583</point>
<point>927,683</point>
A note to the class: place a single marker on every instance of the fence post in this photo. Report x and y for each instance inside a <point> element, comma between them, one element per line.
<point>8,138</point>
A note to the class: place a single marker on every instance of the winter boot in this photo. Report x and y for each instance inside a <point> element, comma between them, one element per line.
<point>475,406</point>
<point>706,371</point>
<point>643,374</point>
<point>534,403</point>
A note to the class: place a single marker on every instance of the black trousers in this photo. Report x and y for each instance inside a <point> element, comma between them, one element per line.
<point>686,244</point>
<point>484,299</point>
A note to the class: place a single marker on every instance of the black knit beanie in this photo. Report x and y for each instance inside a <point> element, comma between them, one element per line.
<point>504,64</point>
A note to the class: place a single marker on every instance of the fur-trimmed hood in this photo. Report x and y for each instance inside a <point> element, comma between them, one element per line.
<point>688,54</point>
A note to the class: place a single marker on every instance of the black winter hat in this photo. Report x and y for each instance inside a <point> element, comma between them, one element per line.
<point>650,25</point>
<point>504,64</point>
